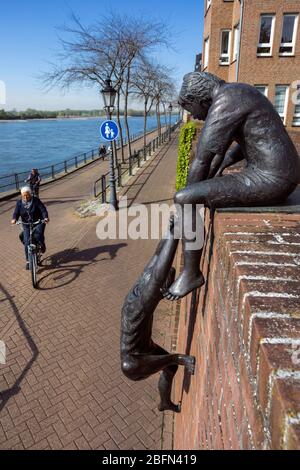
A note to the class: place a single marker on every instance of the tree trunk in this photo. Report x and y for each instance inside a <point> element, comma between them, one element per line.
<point>158,119</point>
<point>145,123</point>
<point>166,117</point>
<point>120,126</point>
<point>126,111</point>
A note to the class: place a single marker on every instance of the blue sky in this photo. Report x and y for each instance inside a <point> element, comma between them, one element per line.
<point>28,40</point>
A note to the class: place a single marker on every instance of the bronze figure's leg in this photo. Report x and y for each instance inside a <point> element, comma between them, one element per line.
<point>141,366</point>
<point>245,188</point>
<point>140,356</point>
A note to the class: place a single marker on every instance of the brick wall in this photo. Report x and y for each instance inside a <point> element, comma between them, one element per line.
<point>274,70</point>
<point>213,25</point>
<point>267,71</point>
<point>295,136</point>
<point>244,329</point>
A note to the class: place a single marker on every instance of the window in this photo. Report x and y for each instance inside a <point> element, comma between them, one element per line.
<point>225,47</point>
<point>266,35</point>
<point>236,41</point>
<point>289,33</point>
<point>281,100</point>
<point>263,89</point>
<point>208,3</point>
<point>206,53</point>
<point>296,119</point>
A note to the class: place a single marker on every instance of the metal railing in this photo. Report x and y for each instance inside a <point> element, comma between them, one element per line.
<point>101,185</point>
<point>15,181</point>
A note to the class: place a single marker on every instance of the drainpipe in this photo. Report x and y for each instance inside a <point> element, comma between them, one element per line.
<point>240,40</point>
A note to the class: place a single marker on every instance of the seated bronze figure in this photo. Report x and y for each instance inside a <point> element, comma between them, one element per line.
<point>140,356</point>
<point>233,112</point>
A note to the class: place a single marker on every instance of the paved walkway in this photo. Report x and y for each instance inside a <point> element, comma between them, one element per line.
<point>62,386</point>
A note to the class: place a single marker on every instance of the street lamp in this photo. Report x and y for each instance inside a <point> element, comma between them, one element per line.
<point>170,114</point>
<point>109,95</point>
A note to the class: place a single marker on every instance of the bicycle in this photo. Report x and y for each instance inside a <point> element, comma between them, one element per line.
<point>34,251</point>
<point>35,188</point>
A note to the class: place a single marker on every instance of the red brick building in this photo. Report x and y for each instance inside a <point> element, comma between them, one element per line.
<point>257,42</point>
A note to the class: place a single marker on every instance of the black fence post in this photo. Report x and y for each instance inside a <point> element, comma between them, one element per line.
<point>119,170</point>
<point>17,181</point>
<point>93,154</point>
<point>84,157</point>
<point>66,168</point>
<point>149,148</point>
<point>52,172</point>
<point>145,152</point>
<point>103,188</point>
<point>130,163</point>
<point>138,159</point>
<point>76,162</point>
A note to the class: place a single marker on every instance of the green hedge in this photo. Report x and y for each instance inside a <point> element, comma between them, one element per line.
<point>186,136</point>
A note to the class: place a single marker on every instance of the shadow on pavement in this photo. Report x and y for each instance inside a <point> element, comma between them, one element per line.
<point>61,269</point>
<point>5,395</point>
<point>190,334</point>
<point>51,202</point>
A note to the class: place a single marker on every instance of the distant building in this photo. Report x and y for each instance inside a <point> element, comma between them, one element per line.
<point>198,63</point>
<point>257,42</point>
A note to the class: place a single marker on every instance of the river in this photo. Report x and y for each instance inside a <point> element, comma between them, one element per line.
<point>38,143</point>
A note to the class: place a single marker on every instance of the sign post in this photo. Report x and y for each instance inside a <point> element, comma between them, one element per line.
<point>109,131</point>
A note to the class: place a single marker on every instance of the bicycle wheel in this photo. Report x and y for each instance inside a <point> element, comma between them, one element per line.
<point>33,268</point>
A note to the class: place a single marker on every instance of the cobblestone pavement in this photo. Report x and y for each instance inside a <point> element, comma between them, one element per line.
<point>62,387</point>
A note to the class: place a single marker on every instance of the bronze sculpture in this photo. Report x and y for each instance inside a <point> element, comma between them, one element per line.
<point>140,356</point>
<point>233,112</point>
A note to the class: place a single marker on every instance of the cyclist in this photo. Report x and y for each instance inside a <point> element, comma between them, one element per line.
<point>34,181</point>
<point>102,151</point>
<point>31,209</point>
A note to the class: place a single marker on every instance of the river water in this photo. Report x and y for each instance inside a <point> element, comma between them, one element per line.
<point>35,144</point>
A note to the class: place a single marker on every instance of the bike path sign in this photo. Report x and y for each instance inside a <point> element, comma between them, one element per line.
<point>109,130</point>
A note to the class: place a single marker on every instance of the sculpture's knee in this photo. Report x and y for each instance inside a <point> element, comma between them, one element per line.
<point>180,197</point>
<point>130,368</point>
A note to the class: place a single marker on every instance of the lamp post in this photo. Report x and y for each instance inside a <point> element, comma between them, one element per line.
<point>170,114</point>
<point>109,95</point>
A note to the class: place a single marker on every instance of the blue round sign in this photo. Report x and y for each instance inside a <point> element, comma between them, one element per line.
<point>109,130</point>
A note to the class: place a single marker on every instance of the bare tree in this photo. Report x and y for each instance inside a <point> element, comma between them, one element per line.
<point>107,49</point>
<point>164,90</point>
<point>143,86</point>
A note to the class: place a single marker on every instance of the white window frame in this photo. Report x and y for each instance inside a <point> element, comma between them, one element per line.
<point>222,55</point>
<point>266,92</point>
<point>206,53</point>
<point>287,44</point>
<point>284,114</point>
<point>266,44</point>
<point>296,113</point>
<point>236,33</point>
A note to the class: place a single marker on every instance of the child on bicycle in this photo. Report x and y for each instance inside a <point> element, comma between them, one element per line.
<point>31,209</point>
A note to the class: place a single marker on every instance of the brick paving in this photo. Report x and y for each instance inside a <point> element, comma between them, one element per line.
<point>62,387</point>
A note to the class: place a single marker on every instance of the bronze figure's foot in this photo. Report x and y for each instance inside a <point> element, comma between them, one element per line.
<point>169,406</point>
<point>183,285</point>
<point>189,364</point>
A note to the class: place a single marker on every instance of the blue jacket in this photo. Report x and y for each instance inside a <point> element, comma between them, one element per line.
<point>37,211</point>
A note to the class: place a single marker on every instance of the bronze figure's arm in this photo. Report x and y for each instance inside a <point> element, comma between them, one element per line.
<point>231,158</point>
